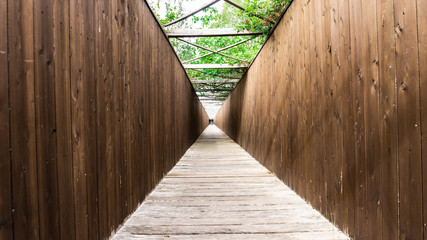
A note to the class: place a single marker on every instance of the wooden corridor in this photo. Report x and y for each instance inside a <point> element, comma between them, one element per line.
<point>218,191</point>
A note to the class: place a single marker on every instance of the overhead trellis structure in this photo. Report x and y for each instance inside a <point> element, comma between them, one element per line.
<point>213,51</point>
<point>214,80</point>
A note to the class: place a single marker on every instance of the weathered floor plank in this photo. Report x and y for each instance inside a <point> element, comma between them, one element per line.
<point>218,191</point>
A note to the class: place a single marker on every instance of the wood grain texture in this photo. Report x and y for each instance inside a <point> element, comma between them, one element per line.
<point>63,120</point>
<point>78,95</point>
<point>422,54</point>
<point>6,227</point>
<point>409,130</point>
<point>347,108</point>
<point>370,77</point>
<point>103,75</point>
<point>388,119</point>
<point>22,119</point>
<point>75,98</point>
<point>218,191</point>
<point>46,119</point>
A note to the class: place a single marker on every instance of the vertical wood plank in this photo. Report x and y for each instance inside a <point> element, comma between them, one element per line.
<point>129,95</point>
<point>370,79</point>
<point>409,131</point>
<point>78,74</point>
<point>347,174</point>
<point>63,120</point>
<point>89,112</point>
<point>117,118</point>
<point>123,65</point>
<point>141,103</point>
<point>45,119</point>
<point>321,52</point>
<point>387,119</point>
<point>313,73</point>
<point>336,95</point>
<point>6,227</point>
<point>147,50</point>
<point>110,121</point>
<point>328,108</point>
<point>103,78</point>
<point>357,60</point>
<point>422,55</point>
<point>22,119</point>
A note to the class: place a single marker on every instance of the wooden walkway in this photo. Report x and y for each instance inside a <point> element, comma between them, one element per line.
<point>218,191</point>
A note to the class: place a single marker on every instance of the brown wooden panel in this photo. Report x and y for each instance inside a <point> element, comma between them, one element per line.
<point>118,145</point>
<point>422,48</point>
<point>110,124</point>
<point>147,45</point>
<point>129,85</point>
<point>387,119</point>
<point>140,104</point>
<point>63,120</point>
<point>89,111</point>
<point>90,115</point>
<point>336,95</point>
<point>348,175</point>
<point>123,112</point>
<point>356,31</point>
<point>79,140</point>
<point>343,147</point>
<point>370,78</point>
<point>22,119</point>
<point>6,227</point>
<point>46,119</point>
<point>103,75</point>
<point>409,130</point>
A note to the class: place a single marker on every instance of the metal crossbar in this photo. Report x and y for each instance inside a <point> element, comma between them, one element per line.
<point>213,51</point>
<point>223,81</point>
<point>213,32</point>
<point>191,14</point>
<point>232,3</point>
<point>208,75</point>
<point>214,66</point>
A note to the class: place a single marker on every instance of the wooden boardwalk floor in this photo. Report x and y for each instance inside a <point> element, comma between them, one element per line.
<point>218,191</point>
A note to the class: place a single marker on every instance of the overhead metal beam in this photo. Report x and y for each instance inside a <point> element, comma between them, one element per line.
<point>244,9</point>
<point>215,81</point>
<point>210,4</point>
<point>191,14</point>
<point>213,51</point>
<point>208,75</point>
<point>215,90</point>
<point>217,51</point>
<point>213,32</point>
<point>224,55</point>
<point>235,5</point>
<point>213,66</point>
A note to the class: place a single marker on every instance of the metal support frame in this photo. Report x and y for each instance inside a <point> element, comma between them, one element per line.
<point>213,32</point>
<point>214,66</point>
<point>216,92</point>
<point>232,3</point>
<point>208,75</point>
<point>223,81</point>
<point>191,14</point>
<point>213,51</point>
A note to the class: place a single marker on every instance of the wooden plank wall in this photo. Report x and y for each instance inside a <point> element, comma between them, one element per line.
<point>95,108</point>
<point>336,106</point>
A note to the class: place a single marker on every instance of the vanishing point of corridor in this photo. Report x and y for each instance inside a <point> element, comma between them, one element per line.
<point>218,191</point>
